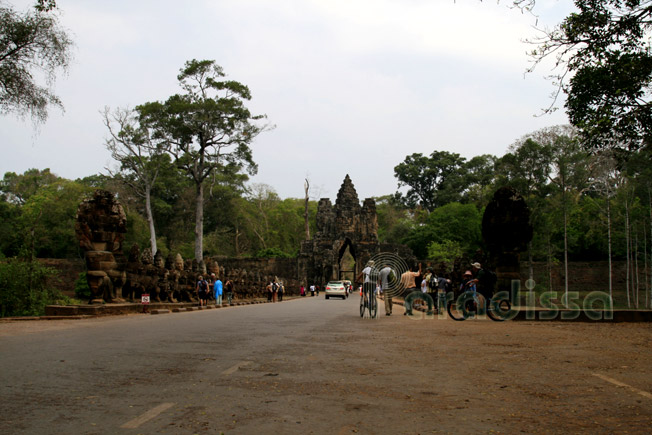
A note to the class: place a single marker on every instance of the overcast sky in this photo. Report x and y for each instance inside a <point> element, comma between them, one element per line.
<point>353,86</point>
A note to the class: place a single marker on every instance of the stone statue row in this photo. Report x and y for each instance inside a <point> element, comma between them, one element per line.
<point>101,225</point>
<point>172,279</point>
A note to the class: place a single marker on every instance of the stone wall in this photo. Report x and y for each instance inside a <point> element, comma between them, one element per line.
<point>585,277</point>
<point>67,273</point>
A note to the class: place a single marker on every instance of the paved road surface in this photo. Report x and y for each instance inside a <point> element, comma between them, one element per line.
<point>314,366</point>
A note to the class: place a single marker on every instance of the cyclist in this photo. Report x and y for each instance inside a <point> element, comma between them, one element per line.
<point>468,283</point>
<point>367,285</point>
<point>485,281</point>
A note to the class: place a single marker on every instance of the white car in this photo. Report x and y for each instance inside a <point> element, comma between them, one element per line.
<point>336,288</point>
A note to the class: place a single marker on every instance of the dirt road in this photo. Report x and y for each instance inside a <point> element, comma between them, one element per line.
<point>314,366</point>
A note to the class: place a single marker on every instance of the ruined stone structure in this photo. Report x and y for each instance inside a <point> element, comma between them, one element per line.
<point>100,225</point>
<point>345,226</point>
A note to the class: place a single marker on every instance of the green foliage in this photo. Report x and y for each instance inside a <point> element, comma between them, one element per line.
<point>272,253</point>
<point>10,242</point>
<point>432,181</point>
<point>457,222</point>
<point>40,216</point>
<point>137,232</point>
<point>262,220</point>
<point>394,222</point>
<point>604,53</point>
<point>445,252</point>
<point>23,290</point>
<point>32,44</point>
<point>20,188</point>
<point>82,290</point>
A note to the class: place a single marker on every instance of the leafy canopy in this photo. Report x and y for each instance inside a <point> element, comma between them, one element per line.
<point>31,44</point>
<point>605,57</point>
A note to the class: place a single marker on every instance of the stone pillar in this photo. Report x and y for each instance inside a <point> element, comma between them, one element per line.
<point>100,227</point>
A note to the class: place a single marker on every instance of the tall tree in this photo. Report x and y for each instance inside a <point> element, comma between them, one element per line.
<point>140,156</point>
<point>18,188</point>
<point>433,181</point>
<point>526,168</point>
<point>603,52</point>
<point>606,179</point>
<point>31,43</point>
<point>306,222</point>
<point>569,174</point>
<point>208,127</point>
<point>478,174</point>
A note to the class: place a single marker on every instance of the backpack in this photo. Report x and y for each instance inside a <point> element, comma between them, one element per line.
<point>274,287</point>
<point>490,279</point>
<point>433,282</point>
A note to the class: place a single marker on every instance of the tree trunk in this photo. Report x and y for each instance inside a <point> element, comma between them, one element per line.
<point>647,304</point>
<point>649,197</point>
<point>627,252</point>
<point>635,266</point>
<point>565,244</point>
<point>611,295</point>
<point>549,264</point>
<point>150,219</point>
<point>237,239</point>
<point>305,210</point>
<point>529,260</point>
<point>199,223</point>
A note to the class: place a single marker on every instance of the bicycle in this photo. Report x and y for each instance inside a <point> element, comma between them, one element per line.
<point>368,301</point>
<point>470,304</point>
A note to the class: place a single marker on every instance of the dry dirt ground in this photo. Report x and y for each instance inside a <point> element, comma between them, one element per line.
<point>479,376</point>
<point>398,375</point>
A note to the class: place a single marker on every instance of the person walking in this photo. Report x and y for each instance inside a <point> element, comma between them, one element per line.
<point>269,292</point>
<point>211,284</point>
<point>408,282</point>
<point>202,291</point>
<point>228,287</point>
<point>384,280</point>
<point>281,290</point>
<point>217,289</point>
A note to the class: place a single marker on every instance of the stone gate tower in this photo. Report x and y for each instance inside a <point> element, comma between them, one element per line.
<point>345,226</point>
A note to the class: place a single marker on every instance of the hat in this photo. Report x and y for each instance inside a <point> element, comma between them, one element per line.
<point>468,272</point>
<point>476,265</point>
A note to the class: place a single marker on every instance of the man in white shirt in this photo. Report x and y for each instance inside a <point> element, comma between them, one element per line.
<point>383,278</point>
<point>367,285</point>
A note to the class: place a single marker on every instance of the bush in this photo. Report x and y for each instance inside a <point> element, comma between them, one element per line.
<point>23,290</point>
<point>82,290</point>
<point>272,253</point>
